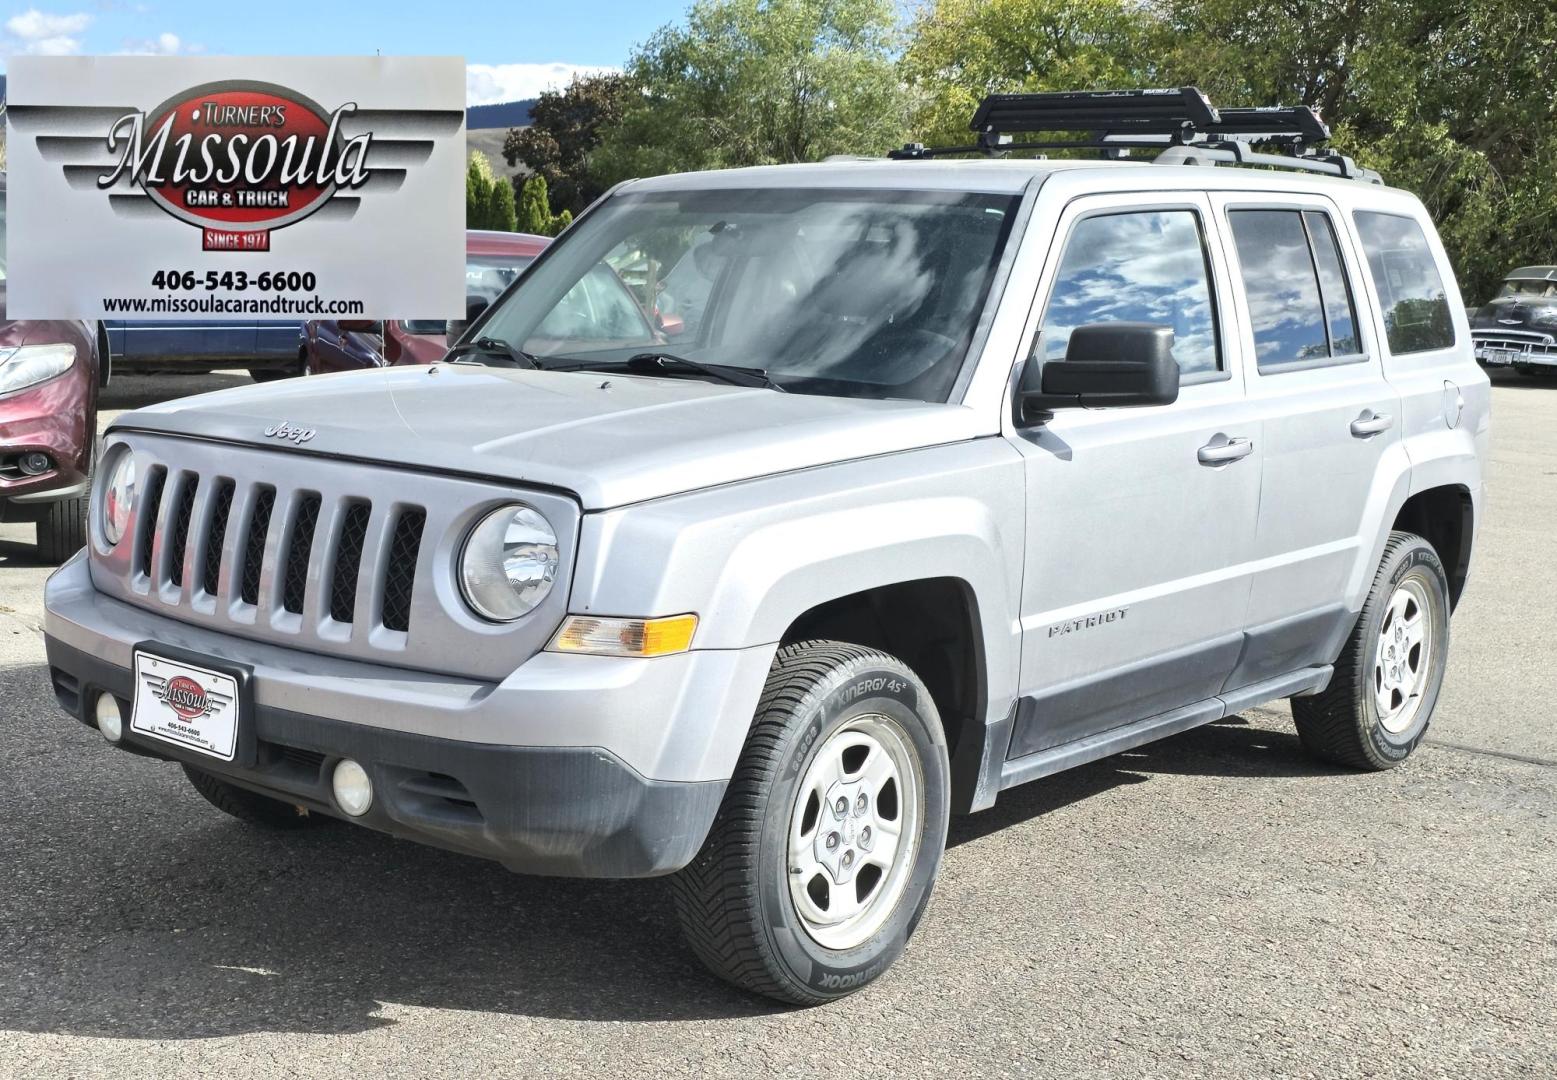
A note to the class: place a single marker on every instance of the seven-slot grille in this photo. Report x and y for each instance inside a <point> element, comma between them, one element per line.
<point>255,546</point>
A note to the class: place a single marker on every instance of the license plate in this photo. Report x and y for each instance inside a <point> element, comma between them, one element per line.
<point>1501,356</point>
<point>187,705</point>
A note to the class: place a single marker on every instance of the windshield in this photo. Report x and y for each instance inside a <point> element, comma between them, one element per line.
<point>1528,287</point>
<point>829,291</point>
<point>485,277</point>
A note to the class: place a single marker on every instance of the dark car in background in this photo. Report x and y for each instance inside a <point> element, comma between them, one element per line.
<point>492,261</point>
<point>50,373</point>
<point>267,349</point>
<point>1518,326</point>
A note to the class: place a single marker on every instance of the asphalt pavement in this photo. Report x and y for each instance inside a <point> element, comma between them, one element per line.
<point>1214,905</point>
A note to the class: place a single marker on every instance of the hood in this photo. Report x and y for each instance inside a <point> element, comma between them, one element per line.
<point>610,439</point>
<point>1518,313</point>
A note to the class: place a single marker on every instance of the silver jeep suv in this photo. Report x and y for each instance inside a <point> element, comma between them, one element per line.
<point>929,477</point>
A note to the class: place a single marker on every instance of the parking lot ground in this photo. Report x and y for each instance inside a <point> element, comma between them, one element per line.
<point>1213,905</point>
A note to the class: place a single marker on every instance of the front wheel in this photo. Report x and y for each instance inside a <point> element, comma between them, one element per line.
<point>824,852</point>
<point>62,529</point>
<point>1377,707</point>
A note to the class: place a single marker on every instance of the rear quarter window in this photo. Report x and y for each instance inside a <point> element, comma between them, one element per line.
<point>1411,291</point>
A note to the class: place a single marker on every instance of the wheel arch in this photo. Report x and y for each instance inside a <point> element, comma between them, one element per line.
<point>932,625</point>
<point>1444,516</point>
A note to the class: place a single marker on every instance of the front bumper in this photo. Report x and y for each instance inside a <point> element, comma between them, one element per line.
<point>1502,349</point>
<point>605,768</point>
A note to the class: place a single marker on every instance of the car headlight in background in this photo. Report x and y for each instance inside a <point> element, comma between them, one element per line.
<point>29,365</point>
<point>1544,317</point>
<point>118,495</point>
<point>509,563</point>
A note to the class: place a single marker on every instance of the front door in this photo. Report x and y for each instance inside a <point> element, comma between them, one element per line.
<point>1140,521</point>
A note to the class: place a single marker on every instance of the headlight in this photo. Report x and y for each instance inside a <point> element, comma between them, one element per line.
<point>509,563</point>
<point>30,365</point>
<point>1544,317</point>
<point>118,495</point>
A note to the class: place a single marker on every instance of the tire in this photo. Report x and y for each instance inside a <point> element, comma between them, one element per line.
<point>264,375</point>
<point>245,805</point>
<point>865,715</point>
<point>1356,720</point>
<point>62,530</point>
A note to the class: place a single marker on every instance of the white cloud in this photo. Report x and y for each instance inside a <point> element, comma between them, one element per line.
<point>161,45</point>
<point>43,34</point>
<point>490,84</point>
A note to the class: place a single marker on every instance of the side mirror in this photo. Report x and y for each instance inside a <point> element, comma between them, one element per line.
<point>1106,365</point>
<point>361,326</point>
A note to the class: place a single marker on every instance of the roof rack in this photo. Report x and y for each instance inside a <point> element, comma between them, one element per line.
<point>1182,124</point>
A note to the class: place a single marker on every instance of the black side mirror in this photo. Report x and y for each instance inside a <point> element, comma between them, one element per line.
<point>1106,365</point>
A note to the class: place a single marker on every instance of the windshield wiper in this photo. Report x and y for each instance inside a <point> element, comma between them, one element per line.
<point>491,349</point>
<point>728,373</point>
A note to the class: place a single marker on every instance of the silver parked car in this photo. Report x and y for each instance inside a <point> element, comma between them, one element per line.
<point>960,473</point>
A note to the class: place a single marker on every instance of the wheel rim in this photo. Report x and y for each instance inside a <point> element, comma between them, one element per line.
<point>854,831</point>
<point>1403,658</point>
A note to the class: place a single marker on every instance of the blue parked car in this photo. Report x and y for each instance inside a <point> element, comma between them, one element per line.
<point>268,349</point>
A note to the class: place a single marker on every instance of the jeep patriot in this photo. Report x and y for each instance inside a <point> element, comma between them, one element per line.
<point>946,475</point>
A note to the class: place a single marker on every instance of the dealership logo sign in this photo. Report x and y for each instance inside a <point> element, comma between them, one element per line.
<point>185,697</point>
<point>238,159</point>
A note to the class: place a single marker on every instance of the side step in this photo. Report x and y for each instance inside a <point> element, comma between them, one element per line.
<point>1107,743</point>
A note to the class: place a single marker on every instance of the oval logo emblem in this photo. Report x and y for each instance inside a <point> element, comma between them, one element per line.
<point>238,156</point>
<point>185,697</point>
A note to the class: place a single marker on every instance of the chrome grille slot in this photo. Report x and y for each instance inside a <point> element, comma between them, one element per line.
<point>295,585</point>
<point>400,575</point>
<point>334,558</point>
<point>183,511</point>
<point>146,527</point>
<point>254,545</point>
<point>216,536</point>
<point>348,561</point>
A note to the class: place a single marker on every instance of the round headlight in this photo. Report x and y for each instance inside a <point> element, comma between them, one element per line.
<point>117,498</point>
<point>509,563</point>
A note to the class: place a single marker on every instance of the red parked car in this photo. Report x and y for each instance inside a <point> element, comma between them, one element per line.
<point>492,260</point>
<point>49,378</point>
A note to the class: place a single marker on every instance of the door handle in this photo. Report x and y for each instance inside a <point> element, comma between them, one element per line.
<point>1371,423</point>
<point>1220,450</point>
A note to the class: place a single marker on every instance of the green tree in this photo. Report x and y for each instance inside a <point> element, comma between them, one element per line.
<point>535,214</point>
<point>961,50</point>
<point>502,214</point>
<point>565,127</point>
<point>751,82</point>
<point>479,182</point>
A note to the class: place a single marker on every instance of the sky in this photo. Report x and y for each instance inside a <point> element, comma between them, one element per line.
<point>512,48</point>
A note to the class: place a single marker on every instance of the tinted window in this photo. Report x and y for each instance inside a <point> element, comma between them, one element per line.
<point>1416,307</point>
<point>1282,289</point>
<point>1147,266</point>
<point>1340,313</point>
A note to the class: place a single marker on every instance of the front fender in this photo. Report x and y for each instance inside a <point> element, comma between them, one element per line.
<point>750,558</point>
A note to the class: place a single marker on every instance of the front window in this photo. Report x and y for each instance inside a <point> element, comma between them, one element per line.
<point>842,292</point>
<point>486,276</point>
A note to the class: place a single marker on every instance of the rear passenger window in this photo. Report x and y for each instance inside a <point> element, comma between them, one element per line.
<point>1411,292</point>
<point>1299,301</point>
<point>1142,266</point>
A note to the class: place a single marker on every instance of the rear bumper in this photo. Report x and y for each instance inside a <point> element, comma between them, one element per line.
<point>567,811</point>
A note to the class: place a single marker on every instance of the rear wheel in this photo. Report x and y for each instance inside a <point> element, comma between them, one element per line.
<point>1377,707</point>
<point>246,805</point>
<point>270,374</point>
<point>62,529</point>
<point>823,854</point>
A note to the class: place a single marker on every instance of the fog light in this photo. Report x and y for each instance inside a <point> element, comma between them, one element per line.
<point>353,789</point>
<point>36,463</point>
<point>110,721</point>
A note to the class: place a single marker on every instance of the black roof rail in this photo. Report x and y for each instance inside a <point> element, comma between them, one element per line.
<point>1171,121</point>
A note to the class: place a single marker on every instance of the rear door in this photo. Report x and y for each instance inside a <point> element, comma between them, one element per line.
<point>188,339</point>
<point>1329,416</point>
<point>1140,521</point>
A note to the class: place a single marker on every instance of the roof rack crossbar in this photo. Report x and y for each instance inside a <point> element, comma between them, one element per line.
<point>1181,123</point>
